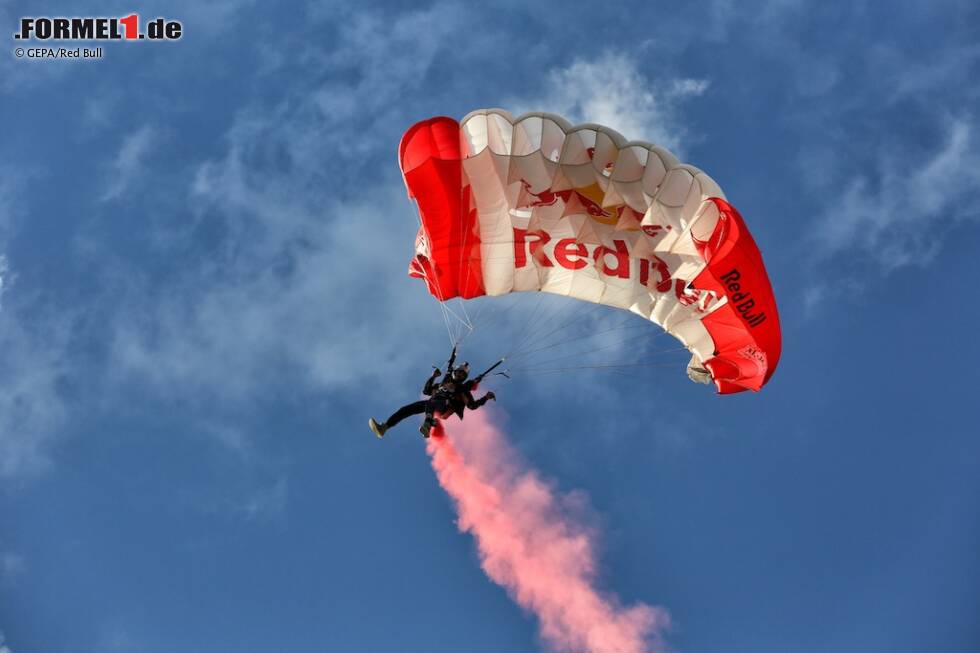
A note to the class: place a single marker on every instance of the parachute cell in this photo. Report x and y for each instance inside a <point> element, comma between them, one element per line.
<point>535,204</point>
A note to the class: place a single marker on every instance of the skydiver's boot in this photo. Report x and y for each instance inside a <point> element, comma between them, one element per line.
<point>427,425</point>
<point>379,429</point>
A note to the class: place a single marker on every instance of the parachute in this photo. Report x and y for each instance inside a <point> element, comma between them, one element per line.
<point>534,203</point>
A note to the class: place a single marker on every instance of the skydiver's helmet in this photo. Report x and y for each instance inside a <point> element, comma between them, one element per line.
<point>461,372</point>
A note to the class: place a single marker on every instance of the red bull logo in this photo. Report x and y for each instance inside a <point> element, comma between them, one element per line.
<point>548,197</point>
<point>652,272</point>
<point>578,200</point>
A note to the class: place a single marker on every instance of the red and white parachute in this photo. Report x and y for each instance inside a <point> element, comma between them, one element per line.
<point>535,204</point>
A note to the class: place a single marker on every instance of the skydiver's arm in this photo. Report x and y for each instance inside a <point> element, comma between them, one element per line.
<point>429,388</point>
<point>473,404</point>
<point>452,361</point>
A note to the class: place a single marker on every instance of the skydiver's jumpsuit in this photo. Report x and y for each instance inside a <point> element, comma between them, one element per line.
<point>446,398</point>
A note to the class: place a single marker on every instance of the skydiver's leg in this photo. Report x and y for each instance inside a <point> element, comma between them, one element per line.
<point>435,405</point>
<point>414,408</point>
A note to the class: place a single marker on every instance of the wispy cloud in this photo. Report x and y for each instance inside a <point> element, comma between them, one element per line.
<point>612,90</point>
<point>31,407</point>
<point>12,182</point>
<point>899,212</point>
<point>12,567</point>
<point>227,336</point>
<point>129,162</point>
<point>895,161</point>
<point>213,17</point>
<point>259,497</point>
<point>99,111</point>
<point>840,288</point>
<point>298,244</point>
<point>33,350</point>
<point>266,502</point>
<point>115,638</point>
<point>4,271</point>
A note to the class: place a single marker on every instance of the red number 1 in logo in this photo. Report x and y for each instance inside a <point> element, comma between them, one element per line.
<point>132,26</point>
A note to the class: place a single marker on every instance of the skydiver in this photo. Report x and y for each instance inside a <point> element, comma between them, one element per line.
<point>452,395</point>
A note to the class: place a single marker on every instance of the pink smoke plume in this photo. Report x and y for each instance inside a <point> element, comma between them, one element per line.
<point>531,545</point>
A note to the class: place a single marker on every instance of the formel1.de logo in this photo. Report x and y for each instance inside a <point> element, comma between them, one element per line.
<point>45,28</point>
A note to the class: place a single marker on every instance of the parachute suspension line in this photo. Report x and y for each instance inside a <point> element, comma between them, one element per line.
<point>463,256</point>
<point>542,341</point>
<point>652,359</point>
<point>598,366</point>
<point>572,319</point>
<point>442,309</point>
<point>537,338</point>
<point>537,332</point>
<point>475,322</point>
<point>528,353</point>
<point>459,324</point>
<point>468,323</point>
<point>532,365</point>
<point>620,369</point>
<point>535,322</point>
<point>445,318</point>
<point>446,312</point>
<point>494,316</point>
<point>582,357</point>
<point>515,299</point>
<point>530,320</point>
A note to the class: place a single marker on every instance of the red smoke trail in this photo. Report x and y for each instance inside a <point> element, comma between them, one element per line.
<point>530,545</point>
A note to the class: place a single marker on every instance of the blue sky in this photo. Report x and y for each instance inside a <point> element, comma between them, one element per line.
<point>203,298</point>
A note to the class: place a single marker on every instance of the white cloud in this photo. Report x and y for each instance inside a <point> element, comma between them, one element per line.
<point>613,91</point>
<point>12,567</point>
<point>12,183</point>
<point>299,249</point>
<point>31,408</point>
<point>894,161</point>
<point>230,336</point>
<point>129,162</point>
<point>100,110</point>
<point>115,638</point>
<point>260,496</point>
<point>4,282</point>
<point>899,212</point>
<point>918,77</point>
<point>22,75</point>
<point>300,246</point>
<point>265,503</point>
<point>841,288</point>
<point>33,346</point>
<point>211,17</point>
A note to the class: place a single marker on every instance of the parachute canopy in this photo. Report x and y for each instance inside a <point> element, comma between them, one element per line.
<point>535,204</point>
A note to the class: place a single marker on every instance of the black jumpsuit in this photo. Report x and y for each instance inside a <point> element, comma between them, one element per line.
<point>446,398</point>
